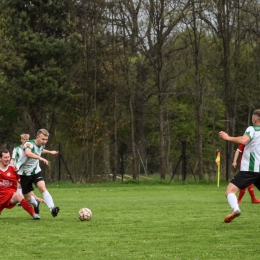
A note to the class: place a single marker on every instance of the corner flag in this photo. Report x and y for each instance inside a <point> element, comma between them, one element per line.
<point>218,159</point>
<point>218,164</point>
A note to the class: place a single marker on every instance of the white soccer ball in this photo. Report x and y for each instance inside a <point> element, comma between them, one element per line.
<point>85,214</point>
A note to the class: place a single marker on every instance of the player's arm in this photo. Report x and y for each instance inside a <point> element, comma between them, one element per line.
<point>234,164</point>
<point>30,154</point>
<point>244,139</point>
<point>50,152</point>
<point>13,156</point>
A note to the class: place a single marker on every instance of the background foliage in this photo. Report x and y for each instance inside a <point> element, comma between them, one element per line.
<point>120,85</point>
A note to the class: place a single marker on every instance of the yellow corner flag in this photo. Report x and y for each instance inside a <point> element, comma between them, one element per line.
<point>218,164</point>
<point>218,159</point>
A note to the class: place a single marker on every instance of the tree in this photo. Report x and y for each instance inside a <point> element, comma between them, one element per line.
<point>42,36</point>
<point>163,17</point>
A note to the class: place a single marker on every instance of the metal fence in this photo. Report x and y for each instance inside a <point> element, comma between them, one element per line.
<point>74,164</point>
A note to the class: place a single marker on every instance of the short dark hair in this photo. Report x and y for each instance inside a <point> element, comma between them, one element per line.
<point>257,114</point>
<point>3,151</point>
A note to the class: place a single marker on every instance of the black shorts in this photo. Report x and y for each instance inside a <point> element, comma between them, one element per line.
<point>27,182</point>
<point>243,179</point>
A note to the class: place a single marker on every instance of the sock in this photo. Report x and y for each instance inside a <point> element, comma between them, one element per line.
<point>33,201</point>
<point>241,194</point>
<point>19,190</point>
<point>232,200</point>
<point>48,199</point>
<point>250,188</point>
<point>27,207</point>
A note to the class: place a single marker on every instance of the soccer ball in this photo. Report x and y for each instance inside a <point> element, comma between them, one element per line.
<point>85,214</point>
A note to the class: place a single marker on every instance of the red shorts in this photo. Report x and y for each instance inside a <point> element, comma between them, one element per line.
<point>5,202</point>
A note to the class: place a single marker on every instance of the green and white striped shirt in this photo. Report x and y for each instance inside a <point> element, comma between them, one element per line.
<point>29,166</point>
<point>251,156</point>
<point>17,154</point>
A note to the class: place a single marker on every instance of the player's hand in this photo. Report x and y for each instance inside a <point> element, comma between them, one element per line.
<point>223,135</point>
<point>39,199</point>
<point>54,152</point>
<point>234,164</point>
<point>44,161</point>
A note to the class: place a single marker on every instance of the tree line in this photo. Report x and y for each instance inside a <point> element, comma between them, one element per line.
<point>120,85</point>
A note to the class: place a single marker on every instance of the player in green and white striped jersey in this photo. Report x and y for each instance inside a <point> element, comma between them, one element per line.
<point>16,155</point>
<point>18,151</point>
<point>250,165</point>
<point>29,168</point>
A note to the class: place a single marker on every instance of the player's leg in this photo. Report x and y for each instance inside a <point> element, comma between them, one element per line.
<point>18,198</point>
<point>231,191</point>
<point>27,188</point>
<point>40,183</point>
<point>233,203</point>
<point>241,195</point>
<point>19,190</point>
<point>1,209</point>
<point>250,189</point>
<point>240,181</point>
<point>257,184</point>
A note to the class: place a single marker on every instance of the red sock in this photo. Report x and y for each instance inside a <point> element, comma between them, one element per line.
<point>250,188</point>
<point>241,194</point>
<point>27,206</point>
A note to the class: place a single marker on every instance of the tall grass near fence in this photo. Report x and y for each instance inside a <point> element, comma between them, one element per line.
<point>130,221</point>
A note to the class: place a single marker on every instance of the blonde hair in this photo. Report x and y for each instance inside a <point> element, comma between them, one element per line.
<point>25,136</point>
<point>42,131</point>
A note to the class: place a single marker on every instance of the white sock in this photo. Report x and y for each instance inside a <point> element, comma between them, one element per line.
<point>33,201</point>
<point>48,199</point>
<point>19,190</point>
<point>232,200</point>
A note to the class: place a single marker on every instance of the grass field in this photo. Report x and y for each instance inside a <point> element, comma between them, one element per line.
<point>134,221</point>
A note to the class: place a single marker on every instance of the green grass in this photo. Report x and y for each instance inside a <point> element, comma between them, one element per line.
<point>130,221</point>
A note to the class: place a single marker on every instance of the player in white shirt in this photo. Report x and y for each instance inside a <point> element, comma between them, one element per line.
<point>29,169</point>
<point>250,165</point>
<point>16,155</point>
